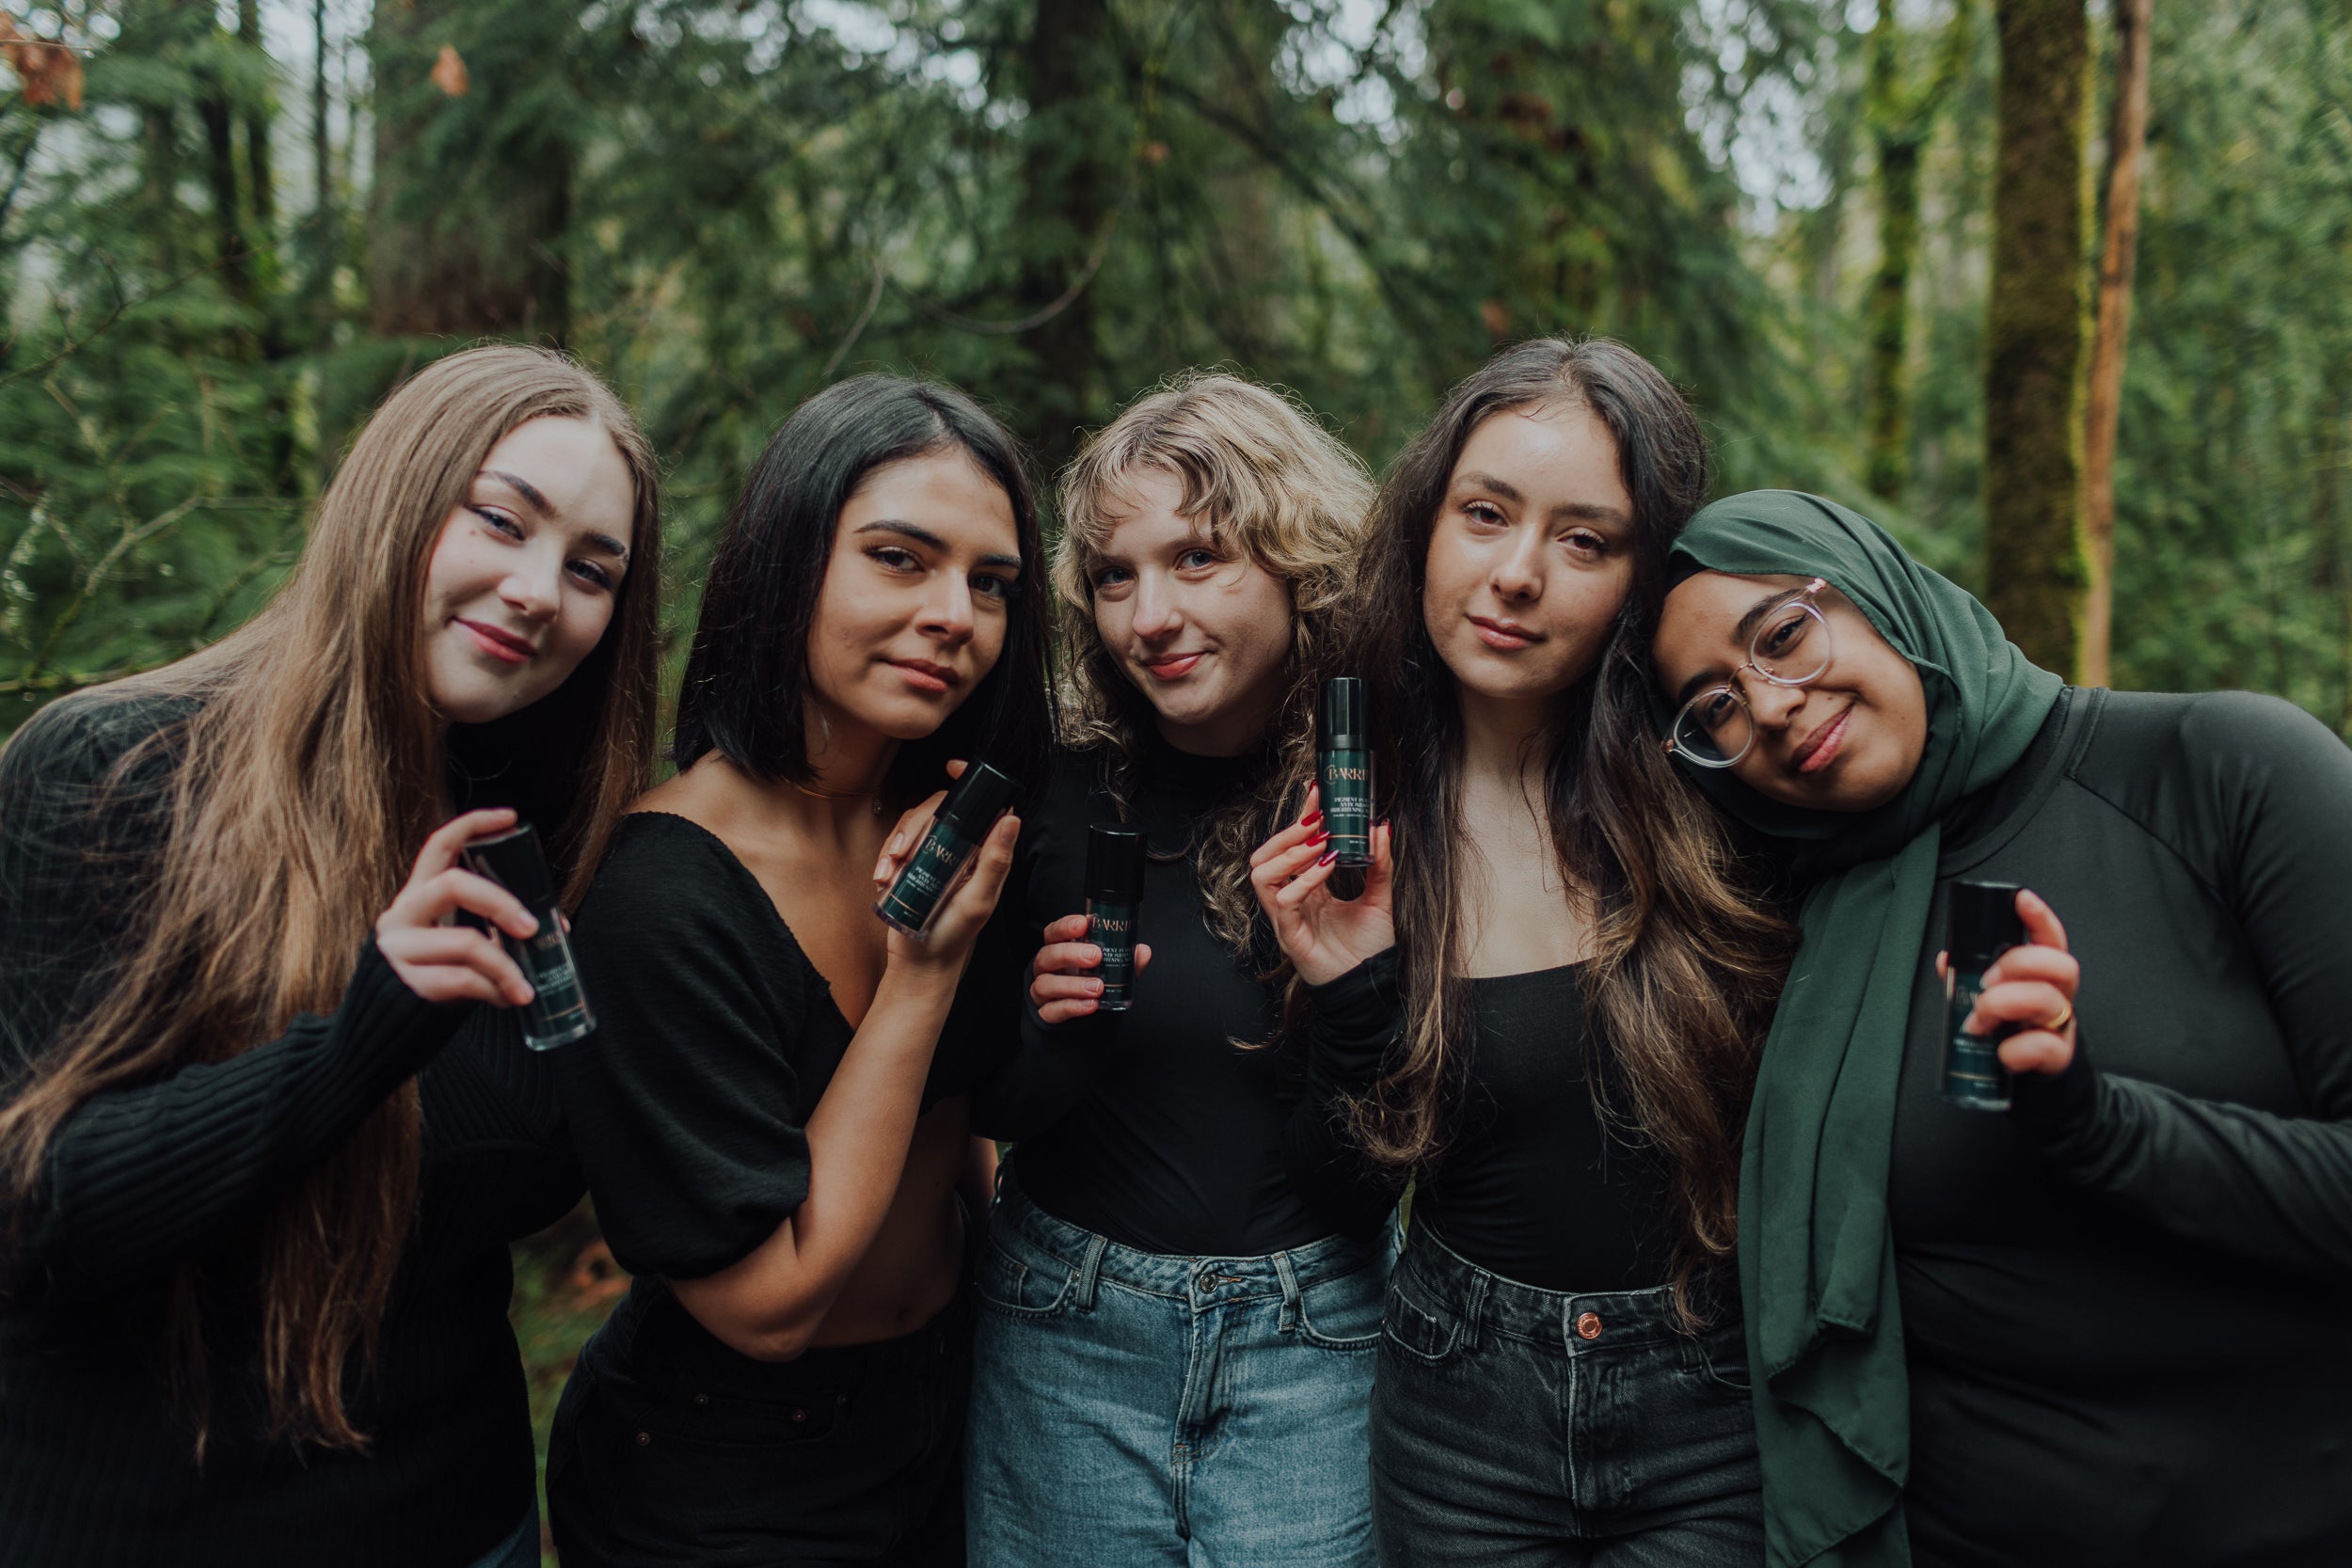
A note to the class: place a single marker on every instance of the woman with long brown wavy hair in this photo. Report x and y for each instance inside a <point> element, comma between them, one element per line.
<point>269,1123</point>
<point>1545,1005</point>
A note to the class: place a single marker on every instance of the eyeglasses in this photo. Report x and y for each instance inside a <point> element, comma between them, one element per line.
<point>1791,648</point>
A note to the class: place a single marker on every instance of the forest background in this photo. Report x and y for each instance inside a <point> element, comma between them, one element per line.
<point>227,226</point>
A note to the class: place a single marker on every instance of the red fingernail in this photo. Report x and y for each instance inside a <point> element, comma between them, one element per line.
<point>1318,838</point>
<point>1310,819</point>
<point>1329,857</point>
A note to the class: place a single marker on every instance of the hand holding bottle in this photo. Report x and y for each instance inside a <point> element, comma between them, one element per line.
<point>1060,984</point>
<point>442,961</point>
<point>1323,936</point>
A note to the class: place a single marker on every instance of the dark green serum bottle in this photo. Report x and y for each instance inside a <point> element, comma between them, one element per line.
<point>1981,923</point>
<point>1115,863</point>
<point>941,862</point>
<point>1344,768</point>
<point>558,1013</point>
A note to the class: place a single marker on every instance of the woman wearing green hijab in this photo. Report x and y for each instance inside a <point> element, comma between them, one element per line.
<point>2107,1326</point>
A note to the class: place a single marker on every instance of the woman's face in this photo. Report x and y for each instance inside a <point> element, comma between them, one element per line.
<point>1201,629</point>
<point>1531,555</point>
<point>916,603</point>
<point>1848,739</point>
<point>527,570</point>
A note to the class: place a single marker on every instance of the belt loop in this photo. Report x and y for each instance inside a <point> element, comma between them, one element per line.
<point>1292,1313</point>
<point>1090,1271</point>
<point>1474,1308</point>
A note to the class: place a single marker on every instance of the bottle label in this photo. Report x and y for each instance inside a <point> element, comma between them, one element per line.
<point>1112,927</point>
<point>924,882</point>
<point>558,1012</point>
<point>1973,1073</point>
<point>1346,780</point>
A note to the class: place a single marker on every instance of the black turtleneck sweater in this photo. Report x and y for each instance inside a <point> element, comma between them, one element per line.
<point>97,1462</point>
<point>1161,1127</point>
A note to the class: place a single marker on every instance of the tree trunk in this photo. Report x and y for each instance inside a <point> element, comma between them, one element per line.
<point>465,227</point>
<point>258,116</point>
<point>1065,195</point>
<point>2035,331</point>
<point>2127,139</point>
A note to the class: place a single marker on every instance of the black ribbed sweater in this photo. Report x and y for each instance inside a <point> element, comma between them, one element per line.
<point>96,1462</point>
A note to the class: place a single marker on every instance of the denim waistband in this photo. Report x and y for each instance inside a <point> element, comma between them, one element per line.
<point>1204,1281</point>
<point>1587,1320</point>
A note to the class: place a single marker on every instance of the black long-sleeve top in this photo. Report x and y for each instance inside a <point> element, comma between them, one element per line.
<point>2127,1304</point>
<point>96,1457</point>
<point>1534,1183</point>
<point>1161,1127</point>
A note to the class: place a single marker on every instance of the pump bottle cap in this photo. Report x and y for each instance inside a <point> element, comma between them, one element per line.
<point>1115,863</point>
<point>514,861</point>
<point>1344,715</point>
<point>1983,923</point>
<point>976,800</point>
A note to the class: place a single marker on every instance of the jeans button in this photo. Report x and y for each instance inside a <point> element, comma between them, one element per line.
<point>1588,1326</point>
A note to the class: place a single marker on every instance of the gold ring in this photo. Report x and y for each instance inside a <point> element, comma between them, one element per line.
<point>2065,1017</point>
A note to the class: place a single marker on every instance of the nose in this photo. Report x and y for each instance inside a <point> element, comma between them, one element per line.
<point>1518,574</point>
<point>947,615</point>
<point>535,589</point>
<point>1155,613</point>
<point>1772,705</point>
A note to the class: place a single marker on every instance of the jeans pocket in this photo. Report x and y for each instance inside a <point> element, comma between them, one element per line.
<point>1426,1333</point>
<point>1030,1287</point>
<point>1343,1312</point>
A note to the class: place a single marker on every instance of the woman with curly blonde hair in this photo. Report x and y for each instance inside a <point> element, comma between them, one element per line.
<point>1175,1349</point>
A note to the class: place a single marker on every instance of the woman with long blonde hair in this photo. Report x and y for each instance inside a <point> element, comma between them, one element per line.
<point>1175,1347</point>
<point>266,1120</point>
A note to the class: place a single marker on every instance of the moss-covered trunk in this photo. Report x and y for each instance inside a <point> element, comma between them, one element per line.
<point>2036,331</point>
<point>1066,164</point>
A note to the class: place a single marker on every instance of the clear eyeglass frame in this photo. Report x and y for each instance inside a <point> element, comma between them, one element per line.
<point>1702,749</point>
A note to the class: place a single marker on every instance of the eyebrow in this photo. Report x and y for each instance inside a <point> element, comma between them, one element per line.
<point>1742,635</point>
<point>1582,511</point>
<point>926,537</point>
<point>548,509</point>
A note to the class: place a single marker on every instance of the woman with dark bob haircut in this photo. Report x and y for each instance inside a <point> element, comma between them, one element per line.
<point>771,1112</point>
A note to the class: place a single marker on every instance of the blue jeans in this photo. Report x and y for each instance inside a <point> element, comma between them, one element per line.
<point>1139,1409</point>
<point>1519,1428</point>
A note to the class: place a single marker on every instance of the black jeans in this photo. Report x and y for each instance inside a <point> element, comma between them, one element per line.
<point>669,1447</point>
<point>1513,1427</point>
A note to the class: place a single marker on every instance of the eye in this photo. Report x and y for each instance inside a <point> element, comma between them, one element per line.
<point>1195,558</point>
<point>894,558</point>
<point>594,574</point>
<point>499,522</point>
<point>1485,513</point>
<point>1718,707</point>
<point>992,585</point>
<point>1784,636</point>
<point>1585,542</point>
<point>1111,577</point>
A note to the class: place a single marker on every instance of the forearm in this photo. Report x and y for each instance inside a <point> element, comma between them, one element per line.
<point>2271,1189</point>
<point>770,1304</point>
<point>138,1179</point>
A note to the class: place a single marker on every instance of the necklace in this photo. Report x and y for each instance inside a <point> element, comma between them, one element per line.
<point>815,793</point>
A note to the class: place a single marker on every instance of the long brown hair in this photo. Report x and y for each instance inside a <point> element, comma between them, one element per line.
<point>1688,959</point>
<point>299,792</point>
<point>1265,478</point>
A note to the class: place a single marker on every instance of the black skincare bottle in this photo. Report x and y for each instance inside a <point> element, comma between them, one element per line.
<point>558,1013</point>
<point>1983,923</point>
<point>1344,768</point>
<point>974,803</point>
<point>1114,906</point>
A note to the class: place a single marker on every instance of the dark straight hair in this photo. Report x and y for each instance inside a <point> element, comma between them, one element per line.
<point>1687,957</point>
<point>747,676</point>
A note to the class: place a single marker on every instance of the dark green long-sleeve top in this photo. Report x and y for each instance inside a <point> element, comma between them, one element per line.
<point>2127,1304</point>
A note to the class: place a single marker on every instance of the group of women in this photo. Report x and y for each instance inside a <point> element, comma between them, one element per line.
<point>1629,1037</point>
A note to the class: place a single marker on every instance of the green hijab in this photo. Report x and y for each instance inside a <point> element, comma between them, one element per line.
<point>1817,1266</point>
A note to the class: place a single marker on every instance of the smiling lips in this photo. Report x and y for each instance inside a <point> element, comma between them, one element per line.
<point>1171,667</point>
<point>499,644</point>
<point>1820,748</point>
<point>924,676</point>
<point>1507,636</point>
